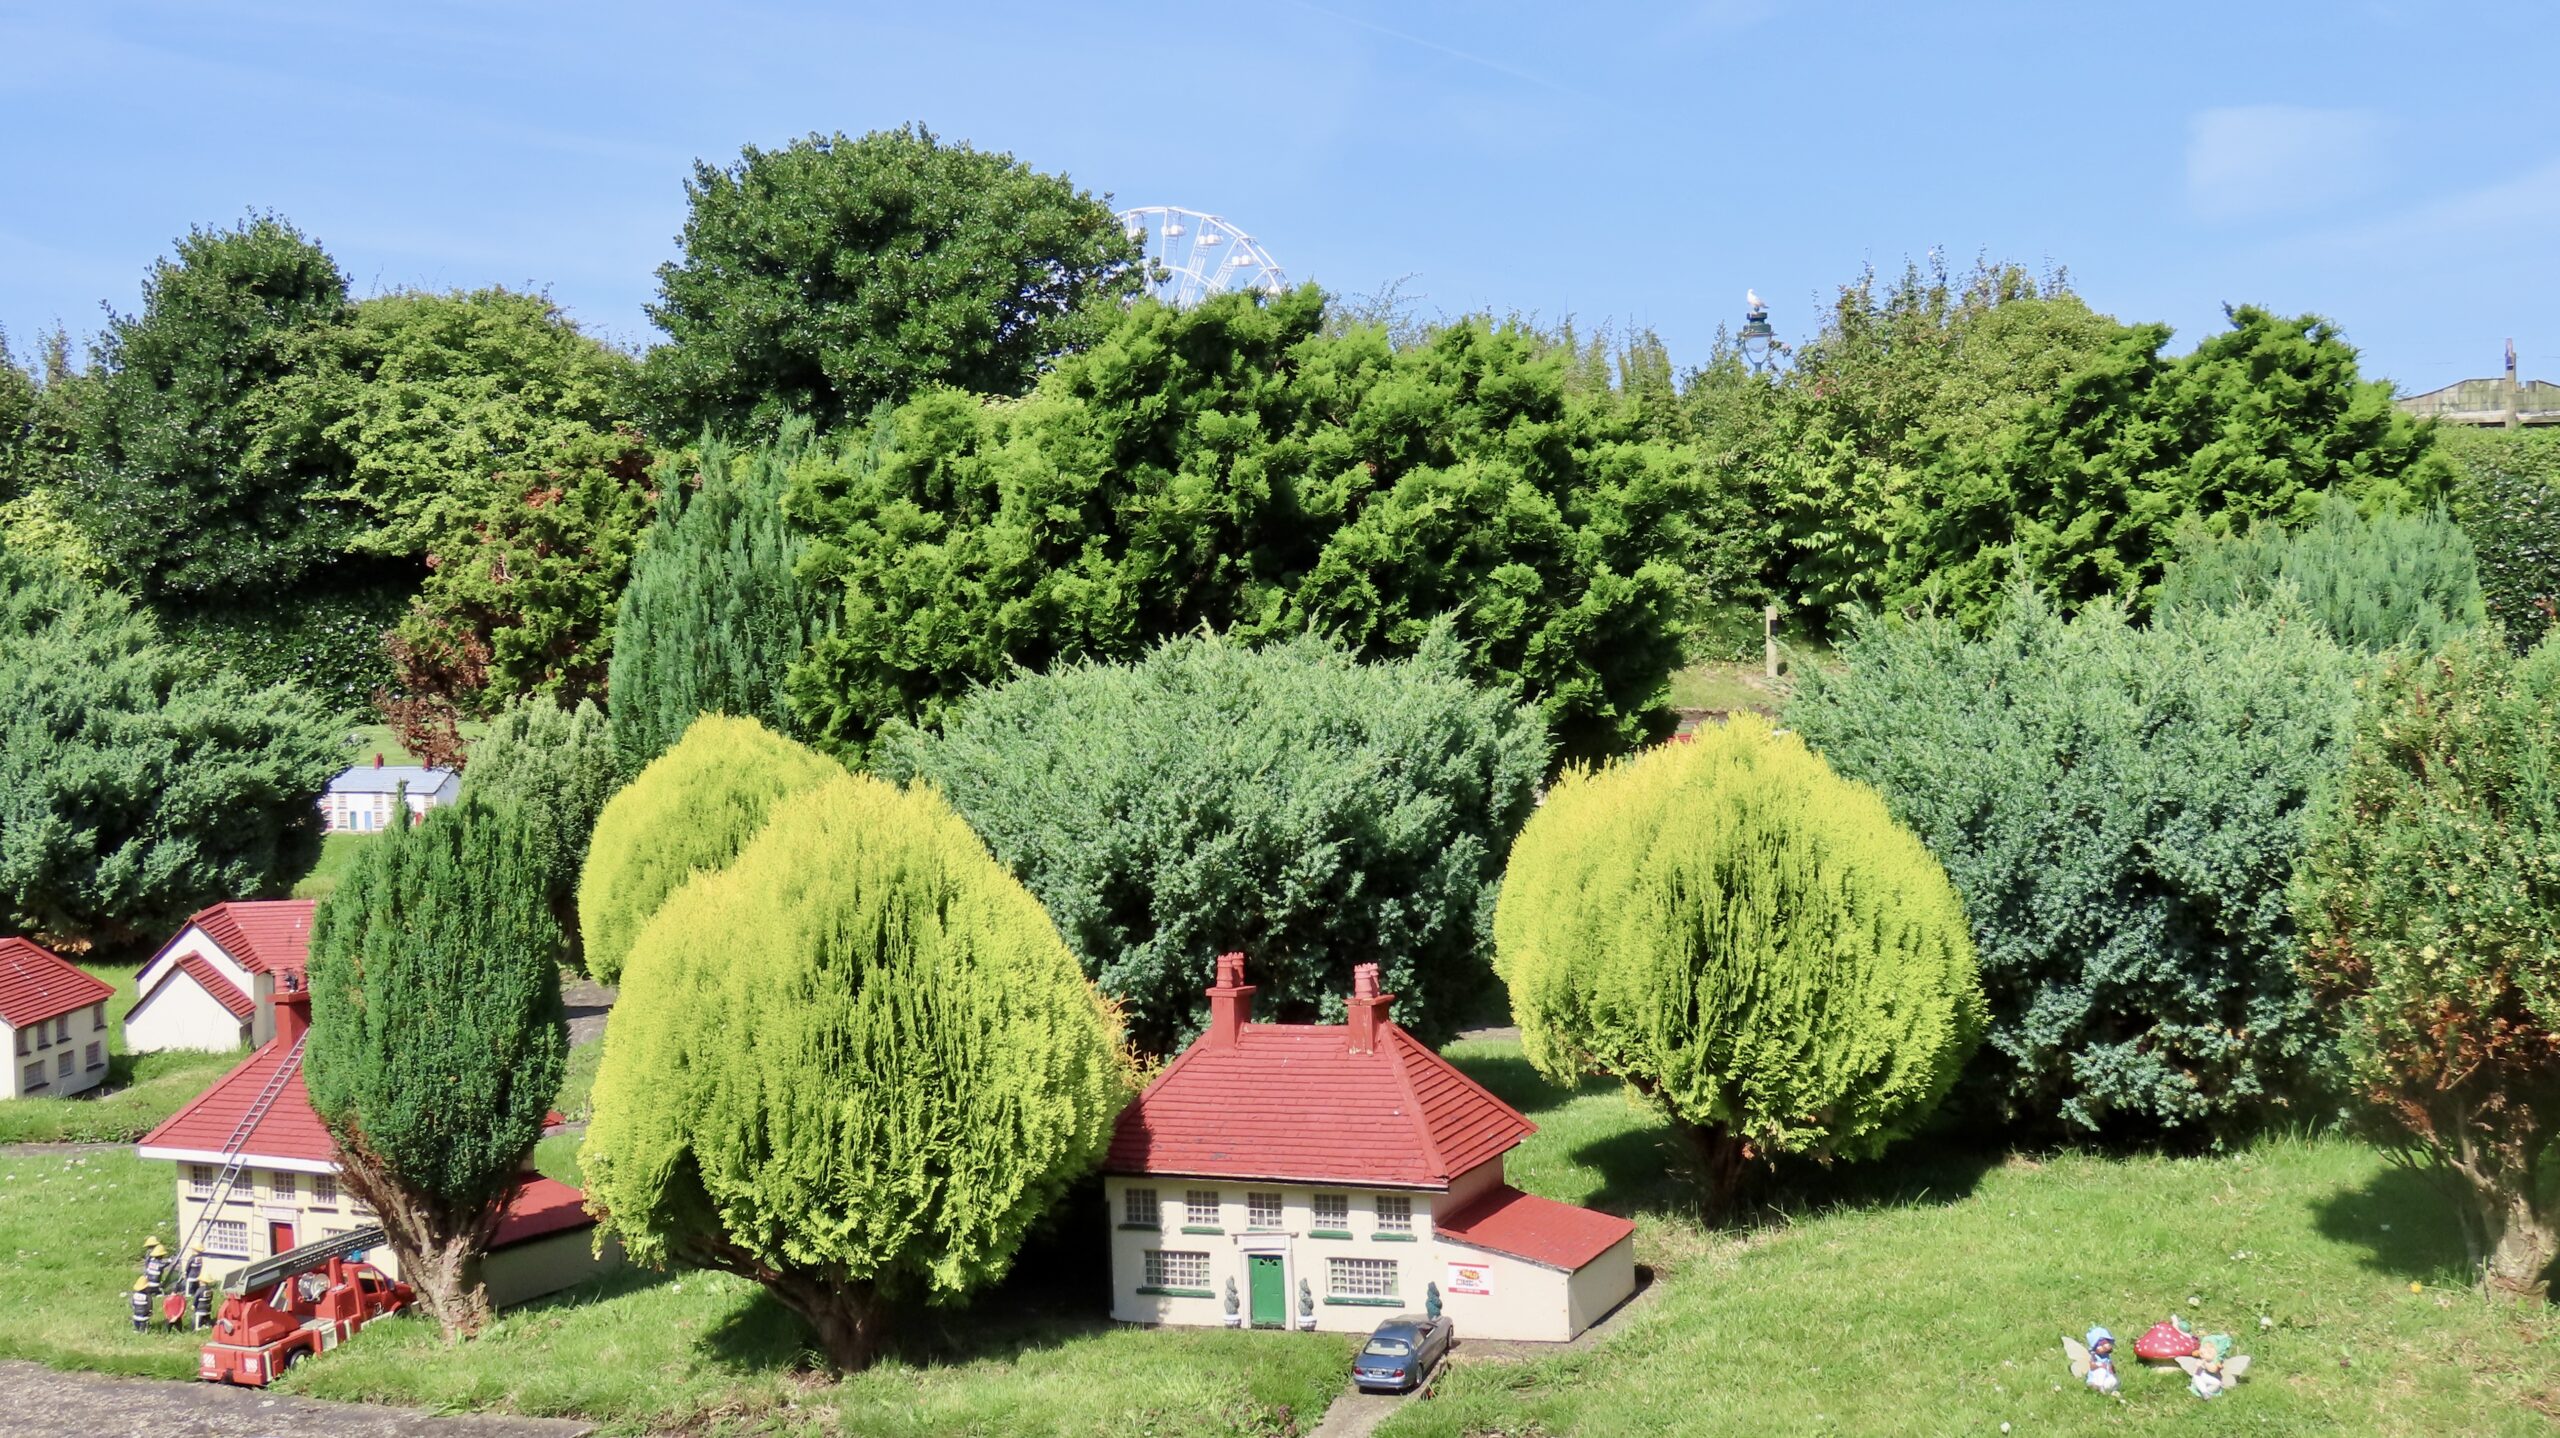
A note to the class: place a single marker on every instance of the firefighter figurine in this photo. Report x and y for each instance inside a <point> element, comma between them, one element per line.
<point>156,1262</point>
<point>203,1304</point>
<point>141,1305</point>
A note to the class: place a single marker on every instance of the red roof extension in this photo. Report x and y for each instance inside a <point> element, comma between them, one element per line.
<point>289,1130</point>
<point>210,979</point>
<point>1540,1230</point>
<point>539,1208</point>
<point>1292,1102</point>
<point>266,936</point>
<point>37,984</point>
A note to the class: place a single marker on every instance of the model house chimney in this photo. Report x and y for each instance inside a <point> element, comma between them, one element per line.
<point>377,759</point>
<point>1230,1003</point>
<point>1367,1009</point>
<point>293,1008</point>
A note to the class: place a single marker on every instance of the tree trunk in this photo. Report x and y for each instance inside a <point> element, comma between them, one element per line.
<point>439,1257</point>
<point>2523,1244</point>
<point>849,1318</point>
<point>1724,1167</point>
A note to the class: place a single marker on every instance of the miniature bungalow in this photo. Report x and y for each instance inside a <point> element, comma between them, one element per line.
<point>213,986</point>
<point>360,801</point>
<point>56,1019</point>
<point>1328,1175</point>
<point>287,1192</point>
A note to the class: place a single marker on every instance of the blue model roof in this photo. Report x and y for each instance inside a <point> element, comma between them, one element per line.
<point>439,784</point>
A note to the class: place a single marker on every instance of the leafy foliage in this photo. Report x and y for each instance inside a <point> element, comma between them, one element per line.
<point>2121,809</point>
<point>42,408</point>
<point>1748,941</point>
<point>555,768</point>
<point>715,613</point>
<point>2430,902</point>
<point>833,275</point>
<point>882,1074</point>
<point>135,788</point>
<point>2508,501</point>
<point>2079,496</point>
<point>328,639</point>
<point>193,481</point>
<point>692,809</point>
<point>1308,810</point>
<point>1236,466</point>
<point>437,1035</point>
<point>2372,582</point>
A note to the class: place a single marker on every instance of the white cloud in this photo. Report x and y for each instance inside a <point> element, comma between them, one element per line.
<point>2256,161</point>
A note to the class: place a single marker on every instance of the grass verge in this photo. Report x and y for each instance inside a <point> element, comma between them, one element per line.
<point>337,851</point>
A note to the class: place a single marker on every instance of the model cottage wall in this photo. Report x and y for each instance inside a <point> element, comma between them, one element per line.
<point>54,1018</point>
<point>278,1205</point>
<point>213,985</point>
<point>1350,1160</point>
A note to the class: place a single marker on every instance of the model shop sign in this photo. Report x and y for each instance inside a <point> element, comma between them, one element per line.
<point>1475,1278</point>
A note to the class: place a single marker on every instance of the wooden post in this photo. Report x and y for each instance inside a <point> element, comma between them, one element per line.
<point>1769,639</point>
<point>2513,391</point>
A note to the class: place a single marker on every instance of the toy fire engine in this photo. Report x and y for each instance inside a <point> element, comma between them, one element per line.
<point>278,1311</point>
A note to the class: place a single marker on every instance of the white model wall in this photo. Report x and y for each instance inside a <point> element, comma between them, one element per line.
<point>180,1015</point>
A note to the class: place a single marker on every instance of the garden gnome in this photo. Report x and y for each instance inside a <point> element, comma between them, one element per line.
<point>141,1305</point>
<point>1431,1300</point>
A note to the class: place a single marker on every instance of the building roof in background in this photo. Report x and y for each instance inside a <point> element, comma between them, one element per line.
<point>2483,402</point>
<point>265,936</point>
<point>37,984</point>
<point>288,1135</point>
<point>1541,1230</point>
<point>539,1208</point>
<point>1291,1102</point>
<point>383,779</point>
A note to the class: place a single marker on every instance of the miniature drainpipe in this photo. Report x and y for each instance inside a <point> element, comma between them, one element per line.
<point>1366,1008</point>
<point>1230,1002</point>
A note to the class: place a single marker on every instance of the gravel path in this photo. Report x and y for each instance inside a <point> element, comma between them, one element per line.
<point>37,1400</point>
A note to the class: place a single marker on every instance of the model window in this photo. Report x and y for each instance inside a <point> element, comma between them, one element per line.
<point>35,1075</point>
<point>98,1015</point>
<point>62,1029</point>
<point>283,1185</point>
<point>97,1056</point>
<point>1175,1269</point>
<point>228,1237</point>
<point>1138,1205</point>
<point>199,1181</point>
<point>62,1067</point>
<point>1200,1208</point>
<point>1362,1278</point>
<point>324,1191</point>
<point>1262,1210</point>
<point>1395,1215</point>
<point>1333,1210</point>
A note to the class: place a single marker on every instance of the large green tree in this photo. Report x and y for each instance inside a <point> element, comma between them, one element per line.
<point>1290,803</point>
<point>2373,581</point>
<point>555,767</point>
<point>855,1065</point>
<point>833,274</point>
<point>1746,940</point>
<point>193,481</point>
<point>716,613</point>
<point>438,1037</point>
<point>136,788</point>
<point>2121,808</point>
<point>690,811</point>
<point>1238,466</point>
<point>2430,908</point>
<point>2508,501</point>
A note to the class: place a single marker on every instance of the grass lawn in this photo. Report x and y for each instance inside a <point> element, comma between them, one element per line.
<point>139,1090</point>
<point>337,851</point>
<point>1925,1294</point>
<point>370,739</point>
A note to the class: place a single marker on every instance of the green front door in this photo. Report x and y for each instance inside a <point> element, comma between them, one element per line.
<point>1270,1290</point>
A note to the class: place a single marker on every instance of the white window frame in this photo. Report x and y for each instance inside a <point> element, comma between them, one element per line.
<point>200,1177</point>
<point>1264,1212</point>
<point>324,1191</point>
<point>234,1230</point>
<point>1174,1268</point>
<point>1141,1208</point>
<point>1201,1208</point>
<point>1333,1212</point>
<point>284,1185</point>
<point>1395,1213</point>
<point>1370,1279</point>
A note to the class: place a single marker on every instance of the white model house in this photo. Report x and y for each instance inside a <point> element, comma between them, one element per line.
<point>55,1018</point>
<point>1329,1175</point>
<point>362,800</point>
<point>213,986</point>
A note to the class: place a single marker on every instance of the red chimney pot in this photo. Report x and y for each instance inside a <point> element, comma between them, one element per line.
<point>1368,1007</point>
<point>377,759</point>
<point>1230,1003</point>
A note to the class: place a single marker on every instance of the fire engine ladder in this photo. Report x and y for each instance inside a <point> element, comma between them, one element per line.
<point>305,1259</point>
<point>234,1159</point>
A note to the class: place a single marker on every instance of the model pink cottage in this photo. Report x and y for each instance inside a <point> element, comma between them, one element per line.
<point>1324,1175</point>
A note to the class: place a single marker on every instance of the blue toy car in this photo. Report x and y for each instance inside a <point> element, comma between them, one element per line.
<point>1400,1354</point>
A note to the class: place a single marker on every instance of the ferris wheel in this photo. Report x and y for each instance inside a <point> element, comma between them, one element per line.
<point>1191,256</point>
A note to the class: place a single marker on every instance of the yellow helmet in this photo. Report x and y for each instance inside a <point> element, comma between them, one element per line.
<point>153,1245</point>
<point>142,1285</point>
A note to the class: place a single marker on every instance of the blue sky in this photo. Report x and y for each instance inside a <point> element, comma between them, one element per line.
<point>2386,164</point>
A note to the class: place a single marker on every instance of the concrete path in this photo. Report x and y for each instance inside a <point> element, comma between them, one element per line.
<point>588,1003</point>
<point>37,1400</point>
<point>1353,1415</point>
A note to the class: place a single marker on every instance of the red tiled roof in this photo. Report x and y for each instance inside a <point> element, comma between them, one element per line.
<point>539,1208</point>
<point>37,984</point>
<point>1292,1102</point>
<point>1540,1230</point>
<point>210,979</point>
<point>289,1129</point>
<point>266,936</point>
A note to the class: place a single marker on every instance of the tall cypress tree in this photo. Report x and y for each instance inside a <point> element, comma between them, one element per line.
<point>555,766</point>
<point>715,613</point>
<point>437,1037</point>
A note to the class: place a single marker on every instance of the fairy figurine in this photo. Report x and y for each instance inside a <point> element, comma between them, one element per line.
<point>2093,1362</point>
<point>2213,1367</point>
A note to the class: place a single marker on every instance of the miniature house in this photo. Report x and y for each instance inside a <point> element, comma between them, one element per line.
<point>55,1019</point>
<point>1353,1163</point>
<point>213,986</point>
<point>257,1125</point>
<point>364,799</point>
